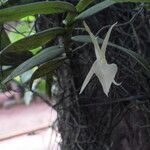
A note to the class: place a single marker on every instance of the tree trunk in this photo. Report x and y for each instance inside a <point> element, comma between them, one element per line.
<point>92,121</point>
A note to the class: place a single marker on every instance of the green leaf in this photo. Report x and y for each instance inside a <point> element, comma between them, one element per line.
<point>17,12</point>
<point>5,73</point>
<point>134,55</point>
<point>45,55</point>
<point>133,1</point>
<point>82,4</point>
<point>94,9</point>
<point>25,77</point>
<point>70,18</point>
<point>28,1</point>
<point>33,41</point>
<point>45,69</point>
<point>8,3</point>
<point>4,39</point>
<point>15,59</point>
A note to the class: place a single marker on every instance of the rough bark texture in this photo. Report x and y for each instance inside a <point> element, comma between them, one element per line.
<point>92,121</point>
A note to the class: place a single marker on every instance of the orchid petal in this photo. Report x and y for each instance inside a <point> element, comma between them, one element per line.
<point>87,79</point>
<point>94,41</point>
<point>106,74</point>
<point>105,42</point>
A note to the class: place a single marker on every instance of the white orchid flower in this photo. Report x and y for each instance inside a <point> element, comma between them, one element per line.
<point>104,71</point>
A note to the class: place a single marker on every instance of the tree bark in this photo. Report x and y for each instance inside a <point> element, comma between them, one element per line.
<point>92,121</point>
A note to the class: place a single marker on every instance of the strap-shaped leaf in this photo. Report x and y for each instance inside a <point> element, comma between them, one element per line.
<point>15,59</point>
<point>45,55</point>
<point>45,69</point>
<point>133,1</point>
<point>82,4</point>
<point>33,41</point>
<point>17,12</point>
<point>134,55</point>
<point>5,73</point>
<point>9,3</point>
<point>4,39</point>
<point>94,9</point>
